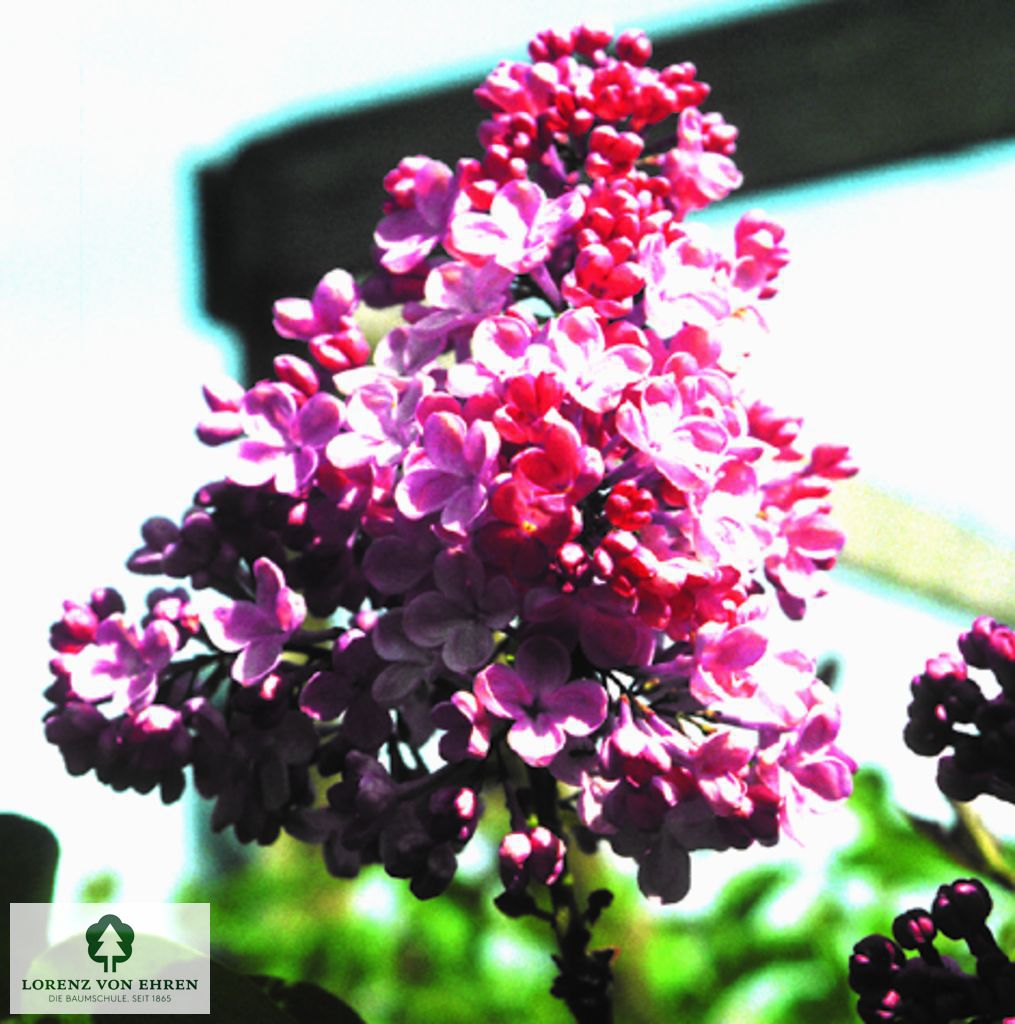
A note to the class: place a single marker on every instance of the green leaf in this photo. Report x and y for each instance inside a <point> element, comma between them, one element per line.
<point>28,856</point>
<point>308,1003</point>
<point>234,997</point>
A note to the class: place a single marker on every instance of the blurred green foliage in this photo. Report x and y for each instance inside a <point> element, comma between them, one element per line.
<point>764,952</point>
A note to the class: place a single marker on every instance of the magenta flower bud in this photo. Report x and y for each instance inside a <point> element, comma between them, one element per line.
<point>219,428</point>
<point>335,296</point>
<point>297,373</point>
<point>590,40</point>
<point>158,532</point>
<point>549,45</point>
<point>975,644</point>
<point>453,813</point>
<point>875,961</point>
<point>634,47</point>
<point>945,666</point>
<point>75,629</point>
<point>294,318</point>
<point>223,395</point>
<point>536,855</point>
<point>106,601</point>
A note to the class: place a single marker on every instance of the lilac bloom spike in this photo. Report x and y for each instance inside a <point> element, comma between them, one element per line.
<point>549,467</point>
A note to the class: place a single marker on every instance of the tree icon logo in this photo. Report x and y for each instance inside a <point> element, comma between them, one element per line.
<point>109,942</point>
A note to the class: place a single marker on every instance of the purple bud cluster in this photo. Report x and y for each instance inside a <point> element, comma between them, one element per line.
<point>930,988</point>
<point>949,709</point>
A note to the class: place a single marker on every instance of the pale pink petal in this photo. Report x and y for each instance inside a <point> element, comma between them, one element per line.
<point>476,235</point>
<point>830,779</point>
<point>319,420</point>
<point>423,491</point>
<point>536,743</point>
<point>820,729</point>
<point>444,441</point>
<point>255,464</point>
<point>502,692</point>
<point>463,508</point>
<point>737,650</point>
<point>257,659</point>
<point>406,238</point>
<point>579,708</point>
<point>816,536</point>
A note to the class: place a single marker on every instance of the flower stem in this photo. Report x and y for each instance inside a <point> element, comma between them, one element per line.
<point>585,981</point>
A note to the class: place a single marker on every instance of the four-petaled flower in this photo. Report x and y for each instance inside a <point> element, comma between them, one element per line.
<point>258,629</point>
<point>520,230</point>
<point>450,472</point>
<point>408,234</point>
<point>544,706</point>
<point>123,663</point>
<point>283,438</point>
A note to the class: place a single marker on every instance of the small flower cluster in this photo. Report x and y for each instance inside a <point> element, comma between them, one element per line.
<point>534,539</point>
<point>949,709</point>
<point>931,988</point>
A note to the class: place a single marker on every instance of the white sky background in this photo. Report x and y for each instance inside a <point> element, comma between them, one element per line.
<point>892,330</point>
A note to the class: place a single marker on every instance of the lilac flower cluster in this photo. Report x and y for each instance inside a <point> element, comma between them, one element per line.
<point>949,709</point>
<point>533,540</point>
<point>930,988</point>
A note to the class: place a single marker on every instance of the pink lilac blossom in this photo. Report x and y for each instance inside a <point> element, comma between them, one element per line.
<point>450,472</point>
<point>258,629</point>
<point>283,437</point>
<point>544,706</point>
<point>545,523</point>
<point>122,661</point>
<point>423,191</point>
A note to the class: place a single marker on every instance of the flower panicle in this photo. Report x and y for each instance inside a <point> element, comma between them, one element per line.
<point>533,539</point>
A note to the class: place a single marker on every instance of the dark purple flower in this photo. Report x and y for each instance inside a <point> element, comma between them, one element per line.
<point>461,615</point>
<point>410,666</point>
<point>344,692</point>
<point>467,725</point>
